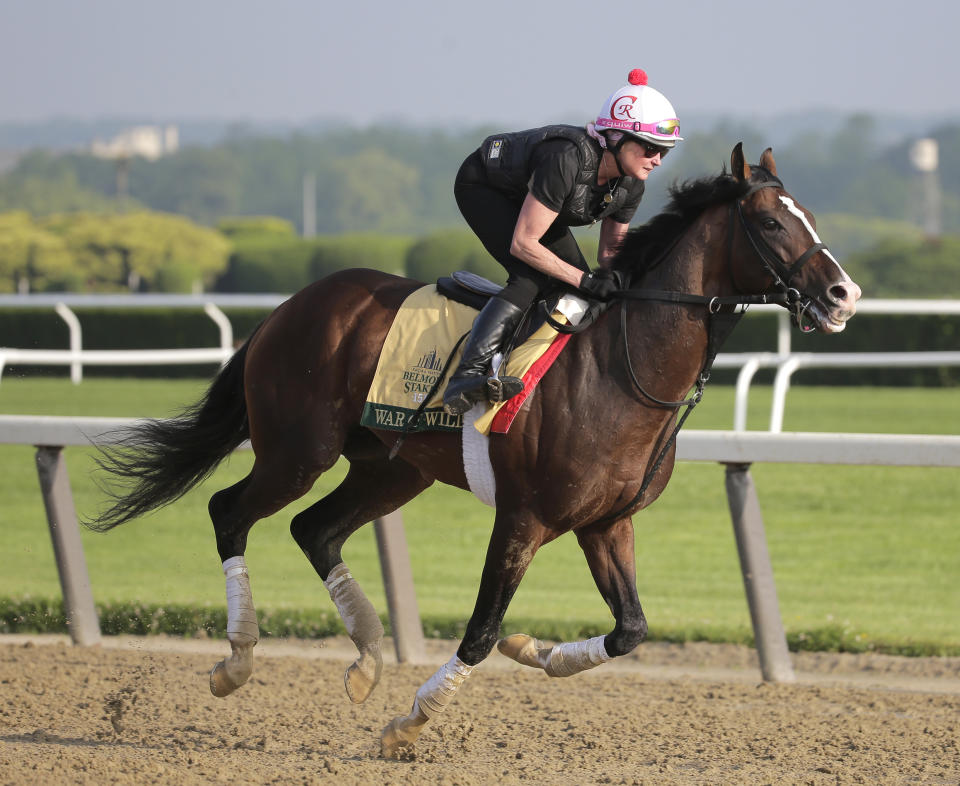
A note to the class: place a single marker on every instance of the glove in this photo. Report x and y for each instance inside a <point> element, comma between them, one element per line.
<point>600,284</point>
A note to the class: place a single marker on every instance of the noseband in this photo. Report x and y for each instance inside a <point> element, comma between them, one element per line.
<point>796,303</point>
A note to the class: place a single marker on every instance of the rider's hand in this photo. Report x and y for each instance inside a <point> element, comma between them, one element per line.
<point>600,284</point>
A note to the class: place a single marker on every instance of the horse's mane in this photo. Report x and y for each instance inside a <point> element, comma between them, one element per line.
<point>644,245</point>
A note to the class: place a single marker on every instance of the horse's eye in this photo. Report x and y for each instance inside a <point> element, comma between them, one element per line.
<point>770,224</point>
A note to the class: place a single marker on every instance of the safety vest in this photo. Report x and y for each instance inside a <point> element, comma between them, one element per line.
<point>506,158</point>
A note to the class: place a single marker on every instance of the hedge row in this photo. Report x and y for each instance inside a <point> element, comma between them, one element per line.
<point>27,615</point>
<point>265,263</point>
<point>175,328</point>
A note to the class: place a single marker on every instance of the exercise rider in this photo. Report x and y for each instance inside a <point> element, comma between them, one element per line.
<point>521,192</point>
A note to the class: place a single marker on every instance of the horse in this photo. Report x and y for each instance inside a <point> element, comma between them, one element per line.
<point>296,389</point>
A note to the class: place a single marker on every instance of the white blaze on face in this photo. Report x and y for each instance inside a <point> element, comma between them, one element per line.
<point>792,207</point>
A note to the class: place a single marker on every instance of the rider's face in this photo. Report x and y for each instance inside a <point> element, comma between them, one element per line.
<point>639,160</point>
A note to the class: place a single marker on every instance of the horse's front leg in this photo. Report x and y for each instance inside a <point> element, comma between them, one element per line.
<point>610,555</point>
<point>510,552</point>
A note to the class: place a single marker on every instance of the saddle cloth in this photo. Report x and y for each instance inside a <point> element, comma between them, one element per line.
<point>425,330</point>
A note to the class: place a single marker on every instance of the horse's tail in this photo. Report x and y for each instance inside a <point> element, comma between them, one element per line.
<point>158,461</point>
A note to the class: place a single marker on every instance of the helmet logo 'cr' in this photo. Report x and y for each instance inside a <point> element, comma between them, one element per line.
<point>621,110</point>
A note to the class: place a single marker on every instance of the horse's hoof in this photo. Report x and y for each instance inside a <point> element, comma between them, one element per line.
<point>521,648</point>
<point>220,683</point>
<point>396,742</point>
<point>362,676</point>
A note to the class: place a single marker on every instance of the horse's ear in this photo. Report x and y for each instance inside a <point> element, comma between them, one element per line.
<point>738,164</point>
<point>767,162</point>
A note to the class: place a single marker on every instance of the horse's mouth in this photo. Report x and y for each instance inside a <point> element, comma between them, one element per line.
<point>828,320</point>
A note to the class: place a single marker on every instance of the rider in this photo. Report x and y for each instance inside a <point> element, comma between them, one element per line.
<point>520,192</point>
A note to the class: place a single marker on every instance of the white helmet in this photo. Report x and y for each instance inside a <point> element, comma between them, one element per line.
<point>639,110</point>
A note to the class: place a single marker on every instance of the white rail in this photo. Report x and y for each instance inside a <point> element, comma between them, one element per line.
<point>77,357</point>
<point>725,447</point>
<point>787,365</point>
<point>786,362</point>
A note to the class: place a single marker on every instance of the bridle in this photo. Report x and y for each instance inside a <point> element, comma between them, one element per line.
<point>796,303</point>
<point>720,322</point>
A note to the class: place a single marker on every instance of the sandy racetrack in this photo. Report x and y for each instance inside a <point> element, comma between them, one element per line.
<point>139,711</point>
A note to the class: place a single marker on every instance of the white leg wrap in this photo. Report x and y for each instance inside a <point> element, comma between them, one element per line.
<point>358,615</point>
<point>242,625</point>
<point>566,659</point>
<point>437,692</point>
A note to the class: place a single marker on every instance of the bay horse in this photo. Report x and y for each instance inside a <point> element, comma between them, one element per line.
<point>296,389</point>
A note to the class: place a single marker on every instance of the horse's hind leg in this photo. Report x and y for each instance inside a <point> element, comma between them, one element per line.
<point>268,488</point>
<point>373,487</point>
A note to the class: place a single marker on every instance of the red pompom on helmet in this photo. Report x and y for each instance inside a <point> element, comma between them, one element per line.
<point>638,110</point>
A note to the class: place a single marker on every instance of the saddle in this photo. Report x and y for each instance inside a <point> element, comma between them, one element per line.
<point>474,291</point>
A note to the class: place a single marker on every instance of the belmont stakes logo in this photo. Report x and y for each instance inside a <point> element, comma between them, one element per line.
<point>404,393</point>
<point>419,379</point>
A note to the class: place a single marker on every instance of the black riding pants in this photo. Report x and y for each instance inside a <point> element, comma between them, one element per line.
<point>492,215</point>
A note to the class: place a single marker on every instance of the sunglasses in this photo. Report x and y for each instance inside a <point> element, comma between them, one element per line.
<point>650,150</point>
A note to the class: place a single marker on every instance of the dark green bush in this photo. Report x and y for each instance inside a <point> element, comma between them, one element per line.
<point>339,252</point>
<point>268,264</point>
<point>442,253</point>
<point>252,226</point>
<point>901,268</point>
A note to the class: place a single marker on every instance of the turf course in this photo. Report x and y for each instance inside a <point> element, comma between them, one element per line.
<point>864,558</point>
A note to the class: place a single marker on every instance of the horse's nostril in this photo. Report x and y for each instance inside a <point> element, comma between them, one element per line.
<point>839,294</point>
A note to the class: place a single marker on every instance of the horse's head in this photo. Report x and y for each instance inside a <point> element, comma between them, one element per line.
<point>777,250</point>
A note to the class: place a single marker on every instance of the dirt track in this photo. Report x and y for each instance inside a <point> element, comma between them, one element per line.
<point>138,711</point>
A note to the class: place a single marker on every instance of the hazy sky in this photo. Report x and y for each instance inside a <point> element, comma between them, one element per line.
<point>491,61</point>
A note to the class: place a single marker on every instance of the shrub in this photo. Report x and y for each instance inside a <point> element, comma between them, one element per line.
<point>441,253</point>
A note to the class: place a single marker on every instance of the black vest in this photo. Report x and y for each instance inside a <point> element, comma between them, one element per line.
<point>506,158</point>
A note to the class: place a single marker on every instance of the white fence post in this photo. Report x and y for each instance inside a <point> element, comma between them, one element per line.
<point>76,342</point>
<point>223,323</point>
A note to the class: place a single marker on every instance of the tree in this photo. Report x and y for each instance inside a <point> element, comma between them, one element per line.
<point>372,193</point>
<point>30,257</point>
<point>140,251</point>
<point>900,268</point>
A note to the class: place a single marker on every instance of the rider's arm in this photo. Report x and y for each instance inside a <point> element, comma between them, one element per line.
<point>611,235</point>
<point>534,220</point>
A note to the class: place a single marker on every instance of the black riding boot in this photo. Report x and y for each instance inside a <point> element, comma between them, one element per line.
<point>469,384</point>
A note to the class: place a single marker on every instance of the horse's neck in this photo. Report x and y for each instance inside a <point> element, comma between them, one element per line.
<point>697,264</point>
<point>664,335</point>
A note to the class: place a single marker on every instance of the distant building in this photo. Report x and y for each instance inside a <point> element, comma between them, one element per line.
<point>150,142</point>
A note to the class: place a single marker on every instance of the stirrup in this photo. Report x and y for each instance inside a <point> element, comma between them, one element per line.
<point>462,394</point>
<point>503,388</point>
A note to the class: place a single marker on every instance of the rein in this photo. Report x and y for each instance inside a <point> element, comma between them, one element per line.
<point>719,323</point>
